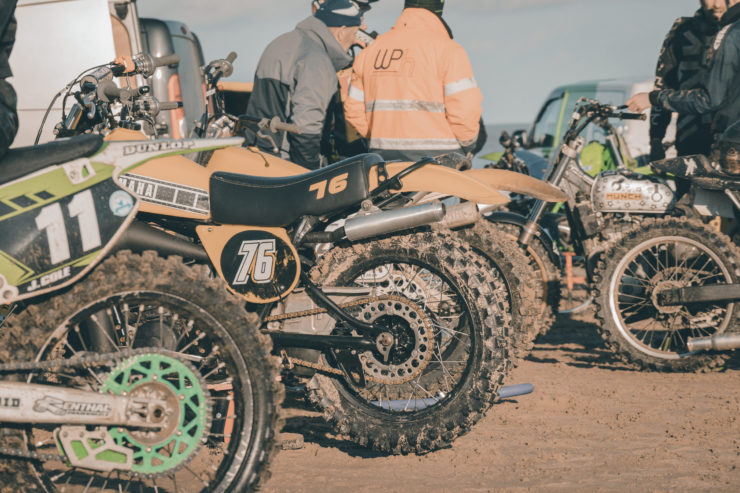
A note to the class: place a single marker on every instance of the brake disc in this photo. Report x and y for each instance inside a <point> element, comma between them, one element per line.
<point>184,421</point>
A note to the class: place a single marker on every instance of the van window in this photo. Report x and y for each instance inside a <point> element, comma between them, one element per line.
<point>191,77</point>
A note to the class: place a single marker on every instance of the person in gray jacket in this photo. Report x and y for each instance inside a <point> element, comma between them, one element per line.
<point>296,79</point>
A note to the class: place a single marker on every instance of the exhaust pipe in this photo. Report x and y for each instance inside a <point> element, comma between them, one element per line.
<point>460,215</point>
<point>140,237</point>
<point>359,228</point>
<point>719,342</point>
<point>418,404</point>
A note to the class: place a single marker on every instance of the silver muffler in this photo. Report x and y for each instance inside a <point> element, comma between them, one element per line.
<point>361,227</point>
<point>719,342</point>
<point>459,215</point>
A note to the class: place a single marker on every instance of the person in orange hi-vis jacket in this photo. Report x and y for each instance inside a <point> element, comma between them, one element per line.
<point>412,92</point>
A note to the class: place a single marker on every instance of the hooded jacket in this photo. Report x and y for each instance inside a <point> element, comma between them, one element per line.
<point>681,66</point>
<point>296,79</point>
<point>413,93</point>
<point>720,93</point>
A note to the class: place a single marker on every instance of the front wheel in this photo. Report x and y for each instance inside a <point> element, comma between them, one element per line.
<point>217,375</point>
<point>656,256</point>
<point>451,350</point>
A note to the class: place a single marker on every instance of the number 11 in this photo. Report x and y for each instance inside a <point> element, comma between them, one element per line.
<point>51,219</point>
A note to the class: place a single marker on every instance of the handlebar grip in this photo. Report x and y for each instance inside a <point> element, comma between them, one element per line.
<point>166,60</point>
<point>633,116</point>
<point>231,57</point>
<point>169,105</point>
<point>287,127</point>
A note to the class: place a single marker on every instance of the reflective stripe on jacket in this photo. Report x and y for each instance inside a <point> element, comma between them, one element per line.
<point>413,89</point>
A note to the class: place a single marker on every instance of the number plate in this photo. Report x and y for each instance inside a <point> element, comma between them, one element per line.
<point>49,246</point>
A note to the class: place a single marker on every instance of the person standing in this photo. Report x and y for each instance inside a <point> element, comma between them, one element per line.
<point>296,78</point>
<point>8,99</point>
<point>681,67</point>
<point>719,95</point>
<point>412,92</point>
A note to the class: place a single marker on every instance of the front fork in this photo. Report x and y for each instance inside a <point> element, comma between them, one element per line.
<point>567,153</point>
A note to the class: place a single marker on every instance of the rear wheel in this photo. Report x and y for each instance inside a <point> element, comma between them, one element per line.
<point>451,351</point>
<point>219,366</point>
<point>656,256</point>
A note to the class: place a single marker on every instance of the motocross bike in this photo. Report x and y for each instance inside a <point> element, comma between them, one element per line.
<point>514,281</point>
<point>669,288</point>
<point>599,208</point>
<point>398,327</point>
<point>120,371</point>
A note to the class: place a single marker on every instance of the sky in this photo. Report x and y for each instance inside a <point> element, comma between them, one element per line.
<point>520,49</point>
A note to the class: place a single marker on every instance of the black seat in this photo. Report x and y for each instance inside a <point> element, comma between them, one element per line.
<point>699,170</point>
<point>257,201</point>
<point>26,160</point>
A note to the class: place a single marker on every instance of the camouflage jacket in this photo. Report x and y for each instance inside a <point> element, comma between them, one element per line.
<point>681,66</point>
<point>719,94</point>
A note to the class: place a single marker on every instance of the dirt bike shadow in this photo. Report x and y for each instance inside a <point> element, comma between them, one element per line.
<point>574,340</point>
<point>301,418</point>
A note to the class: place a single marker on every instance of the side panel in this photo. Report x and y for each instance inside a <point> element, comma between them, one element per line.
<point>55,231</point>
<point>259,264</point>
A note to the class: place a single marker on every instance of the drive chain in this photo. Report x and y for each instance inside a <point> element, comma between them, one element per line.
<point>316,311</point>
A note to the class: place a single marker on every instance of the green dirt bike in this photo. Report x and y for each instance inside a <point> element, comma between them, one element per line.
<point>120,372</point>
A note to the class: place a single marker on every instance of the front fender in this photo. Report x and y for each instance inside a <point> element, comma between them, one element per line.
<point>511,181</point>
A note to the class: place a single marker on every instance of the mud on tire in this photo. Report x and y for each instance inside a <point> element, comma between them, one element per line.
<point>227,332</point>
<point>547,290</point>
<point>484,354</point>
<point>644,334</point>
<point>516,282</point>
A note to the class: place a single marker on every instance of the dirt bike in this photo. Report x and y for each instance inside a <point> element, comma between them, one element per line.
<point>399,327</point>
<point>120,371</point>
<point>669,288</point>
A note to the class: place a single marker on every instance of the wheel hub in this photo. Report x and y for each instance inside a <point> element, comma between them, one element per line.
<point>660,288</point>
<point>405,348</point>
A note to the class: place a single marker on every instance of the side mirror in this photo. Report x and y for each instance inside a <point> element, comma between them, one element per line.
<point>547,141</point>
<point>521,138</point>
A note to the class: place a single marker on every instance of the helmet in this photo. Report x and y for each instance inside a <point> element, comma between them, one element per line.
<point>435,6</point>
<point>336,13</point>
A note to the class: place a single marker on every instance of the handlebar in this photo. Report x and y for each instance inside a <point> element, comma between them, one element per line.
<point>231,57</point>
<point>169,105</point>
<point>108,90</point>
<point>276,125</point>
<point>145,64</point>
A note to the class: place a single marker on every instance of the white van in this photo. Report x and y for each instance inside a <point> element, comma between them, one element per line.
<point>55,41</point>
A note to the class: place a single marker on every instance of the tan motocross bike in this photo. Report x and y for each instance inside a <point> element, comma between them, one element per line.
<point>400,329</point>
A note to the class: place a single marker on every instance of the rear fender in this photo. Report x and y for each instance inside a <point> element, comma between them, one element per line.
<point>442,180</point>
<point>259,264</point>
<point>511,181</point>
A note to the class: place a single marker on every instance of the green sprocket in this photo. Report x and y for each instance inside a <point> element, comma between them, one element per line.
<point>185,421</point>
